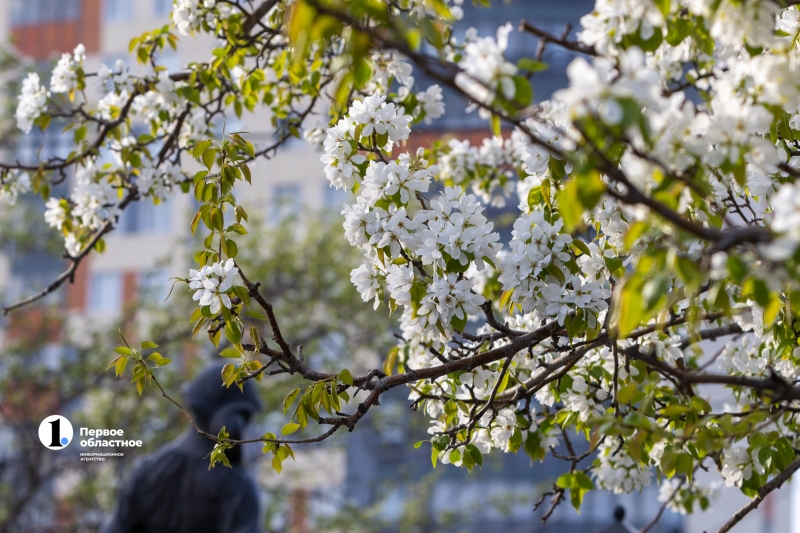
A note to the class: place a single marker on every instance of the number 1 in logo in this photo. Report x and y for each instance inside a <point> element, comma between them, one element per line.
<point>55,432</point>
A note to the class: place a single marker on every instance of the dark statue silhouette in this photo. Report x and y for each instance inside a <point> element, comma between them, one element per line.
<point>173,491</point>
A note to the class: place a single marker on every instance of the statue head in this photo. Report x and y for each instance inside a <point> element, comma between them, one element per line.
<point>213,405</point>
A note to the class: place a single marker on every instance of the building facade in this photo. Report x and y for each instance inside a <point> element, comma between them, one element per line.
<point>151,244</point>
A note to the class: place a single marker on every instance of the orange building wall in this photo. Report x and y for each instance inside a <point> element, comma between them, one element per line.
<point>78,290</point>
<point>40,41</point>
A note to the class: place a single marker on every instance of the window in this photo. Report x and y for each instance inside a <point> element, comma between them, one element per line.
<point>53,143</point>
<point>171,60</point>
<point>145,217</point>
<point>105,292</point>
<point>117,10</point>
<point>161,8</point>
<point>285,202</point>
<point>30,12</point>
<point>333,199</point>
<point>154,285</point>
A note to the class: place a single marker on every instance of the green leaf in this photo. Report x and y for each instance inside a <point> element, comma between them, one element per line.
<point>217,219</point>
<point>565,481</point>
<point>195,222</point>
<point>257,316</point>
<point>362,72</point>
<point>580,245</point>
<point>654,292</point>
<point>702,38</point>
<point>276,463</point>
<point>146,345</point>
<point>532,65</point>
<point>630,308</point>
<point>287,402</point>
<point>590,188</point>
<point>677,31</point>
<point>228,373</point>
<point>635,231</point>
<point>208,158</point>
<point>569,205</point>
<point>233,332</point>
<point>523,94</point>
<point>231,353</point>
<point>625,393</point>
<point>583,481</point>
<point>495,125</point>
<point>459,323</point>
<point>346,377</point>
<point>474,454</point>
<point>200,147</point>
<point>663,6</point>
<point>290,428</point>
<point>119,368</point>
<point>122,350</point>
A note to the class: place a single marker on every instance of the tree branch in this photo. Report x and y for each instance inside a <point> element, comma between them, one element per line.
<point>773,484</point>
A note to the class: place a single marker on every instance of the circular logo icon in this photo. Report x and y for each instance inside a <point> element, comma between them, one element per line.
<point>55,432</point>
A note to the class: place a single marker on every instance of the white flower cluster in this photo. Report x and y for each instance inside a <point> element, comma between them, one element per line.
<point>13,186</point>
<point>447,235</point>
<point>536,157</point>
<point>681,497</point>
<point>188,15</point>
<point>94,198</point>
<point>451,234</point>
<point>786,221</point>
<point>738,465</point>
<point>627,17</point>
<point>492,431</point>
<point>65,74</point>
<point>447,298</point>
<point>212,283</point>
<point>392,66</point>
<point>163,98</point>
<point>535,271</point>
<point>423,8</point>
<point>373,115</point>
<point>619,473</point>
<point>755,356</point>
<point>485,71</point>
<point>32,102</point>
<point>158,182</point>
<point>196,128</point>
<point>662,346</point>
<point>93,201</point>
<point>578,401</point>
<point>489,168</point>
<point>455,229</point>
<point>431,101</point>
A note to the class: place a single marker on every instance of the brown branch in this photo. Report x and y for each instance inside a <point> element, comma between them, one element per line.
<point>663,507</point>
<point>775,483</point>
<point>781,389</point>
<point>710,334</point>
<point>69,273</point>
<point>256,16</point>
<point>546,37</point>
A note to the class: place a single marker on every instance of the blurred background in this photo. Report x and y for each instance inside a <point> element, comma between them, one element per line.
<point>371,480</point>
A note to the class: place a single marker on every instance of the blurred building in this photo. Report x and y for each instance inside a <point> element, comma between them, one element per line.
<point>382,469</point>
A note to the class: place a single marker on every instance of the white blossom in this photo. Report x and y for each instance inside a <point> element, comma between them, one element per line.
<point>65,77</point>
<point>32,102</point>
<point>211,284</point>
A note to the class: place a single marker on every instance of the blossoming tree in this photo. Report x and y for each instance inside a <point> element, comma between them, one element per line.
<point>658,209</point>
